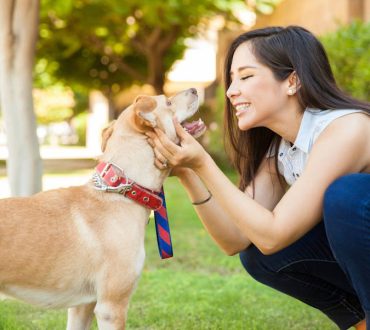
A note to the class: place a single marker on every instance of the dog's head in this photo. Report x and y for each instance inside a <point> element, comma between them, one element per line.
<point>159,111</point>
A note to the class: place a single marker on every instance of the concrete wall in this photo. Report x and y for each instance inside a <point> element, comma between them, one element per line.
<point>318,16</point>
<point>367,11</point>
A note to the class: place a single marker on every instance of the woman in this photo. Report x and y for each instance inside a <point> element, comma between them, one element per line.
<point>289,126</point>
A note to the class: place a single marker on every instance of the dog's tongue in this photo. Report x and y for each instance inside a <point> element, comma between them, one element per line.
<point>195,128</point>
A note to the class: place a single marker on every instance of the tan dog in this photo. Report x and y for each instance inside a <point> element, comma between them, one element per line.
<point>81,247</point>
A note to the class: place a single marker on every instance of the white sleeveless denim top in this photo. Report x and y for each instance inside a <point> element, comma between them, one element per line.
<point>292,159</point>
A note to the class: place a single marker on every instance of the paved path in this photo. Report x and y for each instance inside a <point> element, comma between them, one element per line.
<point>54,159</point>
<point>57,152</point>
<point>50,182</point>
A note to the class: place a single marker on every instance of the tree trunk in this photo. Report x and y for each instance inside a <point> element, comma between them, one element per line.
<point>156,72</point>
<point>18,35</point>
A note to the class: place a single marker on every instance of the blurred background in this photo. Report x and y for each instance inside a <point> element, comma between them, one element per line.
<point>92,58</point>
<point>68,67</point>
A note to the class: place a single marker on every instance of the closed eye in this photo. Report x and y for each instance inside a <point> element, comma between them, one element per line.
<point>246,77</point>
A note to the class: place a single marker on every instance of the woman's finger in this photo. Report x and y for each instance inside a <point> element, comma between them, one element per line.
<point>165,153</point>
<point>158,155</point>
<point>151,142</point>
<point>180,131</point>
<point>157,138</point>
<point>162,165</point>
<point>156,143</point>
<point>166,142</point>
<point>162,156</point>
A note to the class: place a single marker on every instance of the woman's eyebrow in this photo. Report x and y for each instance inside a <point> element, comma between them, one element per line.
<point>247,67</point>
<point>243,68</point>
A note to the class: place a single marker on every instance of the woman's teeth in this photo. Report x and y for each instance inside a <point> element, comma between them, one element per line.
<point>240,108</point>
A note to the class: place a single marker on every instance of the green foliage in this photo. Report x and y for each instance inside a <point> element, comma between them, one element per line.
<point>109,45</point>
<point>53,104</point>
<point>214,136</point>
<point>266,7</point>
<point>348,49</point>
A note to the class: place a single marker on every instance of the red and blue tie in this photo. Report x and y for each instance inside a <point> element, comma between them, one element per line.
<point>162,228</point>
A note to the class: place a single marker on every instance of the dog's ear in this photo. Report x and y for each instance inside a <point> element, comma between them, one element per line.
<point>143,107</point>
<point>106,134</point>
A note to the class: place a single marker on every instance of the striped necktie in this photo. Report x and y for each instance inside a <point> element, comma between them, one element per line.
<point>162,228</point>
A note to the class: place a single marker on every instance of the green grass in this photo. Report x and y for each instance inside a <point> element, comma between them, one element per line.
<point>200,288</point>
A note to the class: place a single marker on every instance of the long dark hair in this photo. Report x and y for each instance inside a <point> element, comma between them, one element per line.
<point>283,50</point>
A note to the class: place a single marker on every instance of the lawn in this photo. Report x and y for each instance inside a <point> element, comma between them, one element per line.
<point>199,288</point>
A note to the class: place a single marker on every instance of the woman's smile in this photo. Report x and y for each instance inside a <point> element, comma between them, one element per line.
<point>241,108</point>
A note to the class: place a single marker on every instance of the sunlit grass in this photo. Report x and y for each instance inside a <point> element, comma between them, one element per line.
<point>200,288</point>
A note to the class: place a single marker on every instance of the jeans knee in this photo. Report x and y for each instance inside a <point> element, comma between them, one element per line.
<point>336,191</point>
<point>252,261</point>
<point>345,203</point>
<point>338,198</point>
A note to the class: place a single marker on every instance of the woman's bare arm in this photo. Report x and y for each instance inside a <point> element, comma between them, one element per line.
<point>334,154</point>
<point>224,232</point>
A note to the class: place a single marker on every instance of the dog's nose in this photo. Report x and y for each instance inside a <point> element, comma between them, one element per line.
<point>193,91</point>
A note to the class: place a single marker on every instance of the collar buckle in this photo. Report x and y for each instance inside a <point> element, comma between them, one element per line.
<point>99,184</point>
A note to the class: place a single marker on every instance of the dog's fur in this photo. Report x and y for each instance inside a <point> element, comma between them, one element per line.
<point>83,248</point>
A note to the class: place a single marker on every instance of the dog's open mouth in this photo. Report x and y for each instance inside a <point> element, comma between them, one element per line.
<point>195,128</point>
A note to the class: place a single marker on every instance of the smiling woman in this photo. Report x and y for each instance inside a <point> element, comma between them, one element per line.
<point>288,123</point>
<point>253,86</point>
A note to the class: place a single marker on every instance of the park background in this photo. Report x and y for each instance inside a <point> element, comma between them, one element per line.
<point>89,60</point>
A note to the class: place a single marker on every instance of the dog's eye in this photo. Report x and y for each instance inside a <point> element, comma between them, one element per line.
<point>169,103</point>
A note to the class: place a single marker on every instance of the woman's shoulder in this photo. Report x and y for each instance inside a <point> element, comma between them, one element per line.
<point>351,125</point>
<point>346,138</point>
<point>357,123</point>
<point>330,114</point>
<point>320,120</point>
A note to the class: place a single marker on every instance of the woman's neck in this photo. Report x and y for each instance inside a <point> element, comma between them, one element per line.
<point>287,124</point>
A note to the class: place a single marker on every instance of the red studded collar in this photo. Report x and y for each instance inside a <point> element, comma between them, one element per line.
<point>109,177</point>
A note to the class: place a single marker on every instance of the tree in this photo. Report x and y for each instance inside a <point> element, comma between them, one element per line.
<point>265,7</point>
<point>18,34</point>
<point>108,45</point>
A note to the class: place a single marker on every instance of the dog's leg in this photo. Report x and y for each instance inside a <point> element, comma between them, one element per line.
<point>80,317</point>
<point>111,315</point>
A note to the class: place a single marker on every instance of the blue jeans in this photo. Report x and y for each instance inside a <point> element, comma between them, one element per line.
<point>329,267</point>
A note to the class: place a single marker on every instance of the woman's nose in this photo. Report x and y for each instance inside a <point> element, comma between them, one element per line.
<point>232,91</point>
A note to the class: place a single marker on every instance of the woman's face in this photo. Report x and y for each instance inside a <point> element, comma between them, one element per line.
<point>257,97</point>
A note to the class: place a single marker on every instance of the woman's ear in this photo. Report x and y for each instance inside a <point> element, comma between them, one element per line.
<point>106,134</point>
<point>294,83</point>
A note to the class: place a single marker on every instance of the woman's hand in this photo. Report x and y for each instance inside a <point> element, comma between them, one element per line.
<point>189,153</point>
